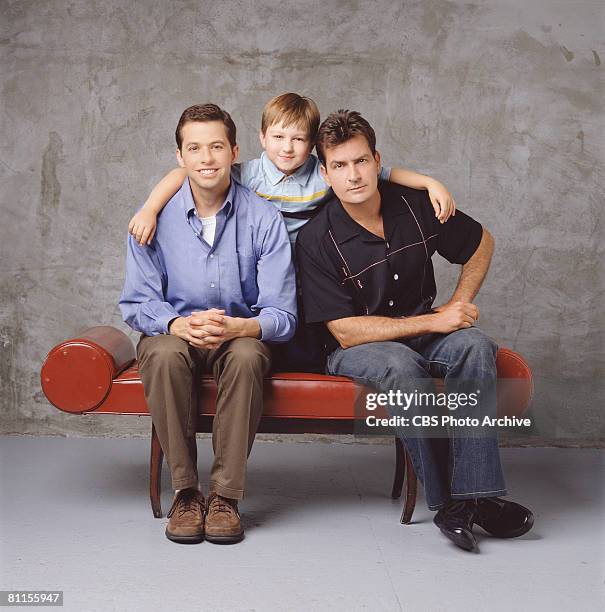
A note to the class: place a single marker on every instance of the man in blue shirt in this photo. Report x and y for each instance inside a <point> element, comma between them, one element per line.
<point>216,283</point>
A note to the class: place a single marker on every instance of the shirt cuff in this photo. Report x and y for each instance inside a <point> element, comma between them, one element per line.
<point>276,328</point>
<point>163,322</point>
<point>268,326</point>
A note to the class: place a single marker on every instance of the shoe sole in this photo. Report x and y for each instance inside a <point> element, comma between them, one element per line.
<point>191,539</point>
<point>225,539</point>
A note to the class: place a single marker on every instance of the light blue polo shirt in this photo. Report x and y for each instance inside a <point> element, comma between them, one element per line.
<point>297,195</point>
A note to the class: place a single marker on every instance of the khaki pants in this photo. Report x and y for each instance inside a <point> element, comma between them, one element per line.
<point>170,370</point>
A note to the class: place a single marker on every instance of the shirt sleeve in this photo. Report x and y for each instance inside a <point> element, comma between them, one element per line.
<point>276,301</point>
<point>458,238</point>
<point>247,172</point>
<point>324,296</point>
<point>142,300</point>
<point>385,173</point>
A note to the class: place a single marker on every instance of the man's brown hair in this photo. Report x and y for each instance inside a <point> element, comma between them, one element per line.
<point>291,109</point>
<point>341,126</point>
<point>203,113</point>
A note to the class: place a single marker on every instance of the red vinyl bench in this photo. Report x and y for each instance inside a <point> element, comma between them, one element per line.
<point>97,372</point>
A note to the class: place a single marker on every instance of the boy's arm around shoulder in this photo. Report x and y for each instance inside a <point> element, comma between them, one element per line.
<point>144,223</point>
<point>442,201</point>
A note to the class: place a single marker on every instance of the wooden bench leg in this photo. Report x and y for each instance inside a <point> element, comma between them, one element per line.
<point>155,474</point>
<point>399,469</point>
<point>411,488</point>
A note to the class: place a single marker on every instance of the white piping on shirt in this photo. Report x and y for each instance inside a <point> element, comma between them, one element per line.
<point>407,246</point>
<point>347,269</point>
<point>425,249</point>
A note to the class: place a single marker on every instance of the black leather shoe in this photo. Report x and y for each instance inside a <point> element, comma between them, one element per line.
<point>503,519</point>
<point>456,523</point>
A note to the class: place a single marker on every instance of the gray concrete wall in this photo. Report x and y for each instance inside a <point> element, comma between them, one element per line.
<point>502,100</point>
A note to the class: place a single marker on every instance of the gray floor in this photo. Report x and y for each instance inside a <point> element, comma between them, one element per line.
<point>321,533</point>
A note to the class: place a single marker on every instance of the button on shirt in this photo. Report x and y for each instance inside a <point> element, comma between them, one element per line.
<point>297,196</point>
<point>347,271</point>
<point>247,271</point>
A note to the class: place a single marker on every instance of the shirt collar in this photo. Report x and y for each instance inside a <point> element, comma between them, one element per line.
<point>189,204</point>
<point>345,228</point>
<point>276,175</point>
<point>392,199</point>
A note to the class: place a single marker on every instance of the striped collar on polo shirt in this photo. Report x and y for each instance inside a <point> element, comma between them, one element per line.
<point>275,175</point>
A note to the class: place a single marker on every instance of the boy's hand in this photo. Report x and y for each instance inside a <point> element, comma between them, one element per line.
<point>442,200</point>
<point>142,226</point>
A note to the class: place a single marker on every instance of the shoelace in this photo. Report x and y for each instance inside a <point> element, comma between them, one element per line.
<point>189,502</point>
<point>218,504</point>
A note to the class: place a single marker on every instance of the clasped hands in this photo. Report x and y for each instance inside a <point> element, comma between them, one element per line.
<point>207,329</point>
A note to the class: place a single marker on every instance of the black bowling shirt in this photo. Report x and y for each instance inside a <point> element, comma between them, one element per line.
<point>347,271</point>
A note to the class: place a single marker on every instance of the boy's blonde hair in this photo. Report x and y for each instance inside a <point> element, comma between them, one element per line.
<point>289,109</point>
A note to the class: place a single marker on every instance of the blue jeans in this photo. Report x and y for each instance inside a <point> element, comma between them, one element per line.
<point>466,463</point>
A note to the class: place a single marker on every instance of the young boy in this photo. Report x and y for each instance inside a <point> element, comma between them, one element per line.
<point>289,176</point>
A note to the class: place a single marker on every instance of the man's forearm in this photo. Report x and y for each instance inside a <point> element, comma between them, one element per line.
<point>249,328</point>
<point>474,271</point>
<point>352,331</point>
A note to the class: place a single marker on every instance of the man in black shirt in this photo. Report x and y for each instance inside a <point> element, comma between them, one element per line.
<point>366,271</point>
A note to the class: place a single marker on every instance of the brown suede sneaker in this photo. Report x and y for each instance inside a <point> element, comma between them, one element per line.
<point>223,524</point>
<point>186,524</point>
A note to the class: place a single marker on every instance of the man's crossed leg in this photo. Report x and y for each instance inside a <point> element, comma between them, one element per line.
<point>460,469</point>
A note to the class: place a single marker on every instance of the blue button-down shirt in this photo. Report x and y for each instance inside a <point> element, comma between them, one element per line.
<point>247,271</point>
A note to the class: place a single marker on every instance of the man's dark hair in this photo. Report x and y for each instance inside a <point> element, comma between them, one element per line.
<point>341,126</point>
<point>205,112</point>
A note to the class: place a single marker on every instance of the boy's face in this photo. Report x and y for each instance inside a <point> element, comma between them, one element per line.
<point>352,170</point>
<point>287,147</point>
<point>207,155</point>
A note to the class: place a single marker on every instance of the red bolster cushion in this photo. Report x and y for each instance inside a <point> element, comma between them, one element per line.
<point>515,383</point>
<point>77,374</point>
